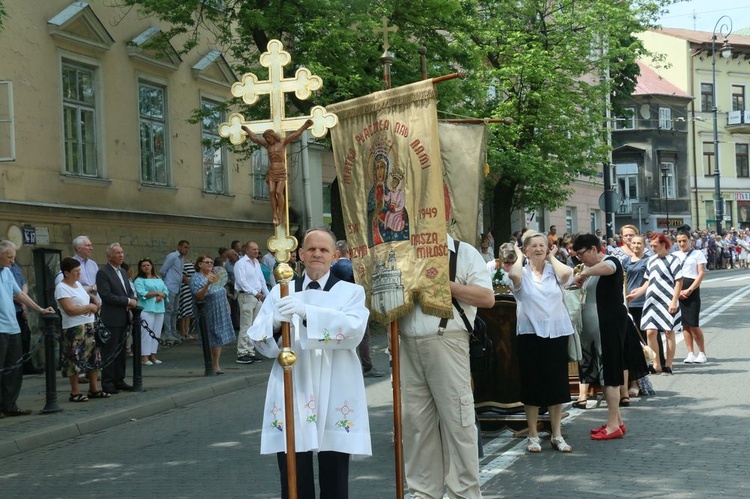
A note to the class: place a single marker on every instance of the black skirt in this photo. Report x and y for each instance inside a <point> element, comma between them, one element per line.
<point>543,364</point>
<point>690,307</point>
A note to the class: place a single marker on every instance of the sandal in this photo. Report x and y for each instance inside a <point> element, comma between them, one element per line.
<point>101,394</point>
<point>533,445</point>
<point>78,397</point>
<point>560,444</point>
<point>624,401</point>
<point>580,404</point>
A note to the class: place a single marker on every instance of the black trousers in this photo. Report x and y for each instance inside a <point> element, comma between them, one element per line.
<point>23,323</point>
<point>114,373</point>
<point>333,471</point>
<point>10,382</point>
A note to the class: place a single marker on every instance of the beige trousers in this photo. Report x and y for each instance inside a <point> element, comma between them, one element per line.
<point>439,434</point>
<point>249,308</point>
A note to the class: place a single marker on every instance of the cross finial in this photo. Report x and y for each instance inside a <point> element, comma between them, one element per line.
<point>385,29</point>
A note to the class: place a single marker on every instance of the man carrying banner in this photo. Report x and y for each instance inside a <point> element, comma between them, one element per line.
<point>439,432</point>
<point>328,319</point>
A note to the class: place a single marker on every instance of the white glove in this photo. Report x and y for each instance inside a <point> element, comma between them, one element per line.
<point>291,305</point>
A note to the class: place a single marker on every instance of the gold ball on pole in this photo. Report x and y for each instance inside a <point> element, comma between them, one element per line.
<point>283,272</point>
<point>287,358</point>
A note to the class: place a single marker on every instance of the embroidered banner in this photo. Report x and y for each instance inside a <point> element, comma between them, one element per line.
<point>463,148</point>
<point>388,163</point>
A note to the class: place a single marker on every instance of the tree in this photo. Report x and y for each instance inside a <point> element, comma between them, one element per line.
<point>2,14</point>
<point>540,63</point>
<point>547,61</point>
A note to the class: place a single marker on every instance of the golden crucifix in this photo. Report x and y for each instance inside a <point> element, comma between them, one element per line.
<point>271,134</point>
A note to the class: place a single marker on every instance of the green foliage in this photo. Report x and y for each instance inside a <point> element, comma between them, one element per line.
<point>2,14</point>
<point>541,64</point>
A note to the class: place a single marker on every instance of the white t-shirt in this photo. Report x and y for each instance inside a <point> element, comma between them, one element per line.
<point>690,263</point>
<point>78,297</point>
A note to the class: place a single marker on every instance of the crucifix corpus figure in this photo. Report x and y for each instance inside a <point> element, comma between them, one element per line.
<point>276,175</point>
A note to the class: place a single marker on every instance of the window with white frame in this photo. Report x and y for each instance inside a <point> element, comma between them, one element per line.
<point>152,106</point>
<point>665,118</point>
<point>7,138</point>
<point>627,120</point>
<point>79,90</point>
<point>741,159</point>
<point>214,154</point>
<point>738,97</point>
<point>571,223</point>
<point>666,171</point>
<point>594,218</point>
<point>707,97</point>
<point>709,159</point>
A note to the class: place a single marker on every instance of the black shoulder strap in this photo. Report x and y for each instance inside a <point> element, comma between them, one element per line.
<point>452,275</point>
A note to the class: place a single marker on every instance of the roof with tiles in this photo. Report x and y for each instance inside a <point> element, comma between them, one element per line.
<point>702,36</point>
<point>651,83</point>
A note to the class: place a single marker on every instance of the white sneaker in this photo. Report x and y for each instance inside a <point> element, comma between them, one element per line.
<point>689,359</point>
<point>700,358</point>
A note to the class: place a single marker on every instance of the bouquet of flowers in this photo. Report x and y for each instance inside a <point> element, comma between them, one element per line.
<point>500,278</point>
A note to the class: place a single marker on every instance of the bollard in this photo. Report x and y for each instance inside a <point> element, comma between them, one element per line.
<point>201,305</point>
<point>50,330</point>
<point>137,366</point>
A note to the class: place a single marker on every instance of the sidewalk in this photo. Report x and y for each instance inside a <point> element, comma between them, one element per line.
<point>177,382</point>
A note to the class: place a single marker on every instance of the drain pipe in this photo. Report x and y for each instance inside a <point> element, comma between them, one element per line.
<point>306,182</point>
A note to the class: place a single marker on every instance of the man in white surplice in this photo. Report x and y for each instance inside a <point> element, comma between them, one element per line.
<point>328,319</point>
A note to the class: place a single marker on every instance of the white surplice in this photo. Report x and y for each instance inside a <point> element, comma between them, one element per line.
<point>329,390</point>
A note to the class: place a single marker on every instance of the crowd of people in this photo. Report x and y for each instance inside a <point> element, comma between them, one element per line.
<point>632,291</point>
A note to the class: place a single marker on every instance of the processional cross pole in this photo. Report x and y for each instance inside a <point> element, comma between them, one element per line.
<point>387,57</point>
<point>274,139</point>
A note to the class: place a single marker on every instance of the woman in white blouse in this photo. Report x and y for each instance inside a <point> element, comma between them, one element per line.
<point>693,270</point>
<point>543,327</point>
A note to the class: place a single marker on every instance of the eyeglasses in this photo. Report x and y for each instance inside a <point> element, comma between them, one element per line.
<point>208,262</point>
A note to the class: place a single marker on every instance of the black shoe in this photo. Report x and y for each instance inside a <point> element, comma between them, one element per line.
<point>245,359</point>
<point>110,389</point>
<point>17,412</point>
<point>256,358</point>
<point>372,373</point>
<point>124,387</point>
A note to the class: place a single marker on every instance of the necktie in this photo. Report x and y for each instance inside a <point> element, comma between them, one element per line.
<point>313,285</point>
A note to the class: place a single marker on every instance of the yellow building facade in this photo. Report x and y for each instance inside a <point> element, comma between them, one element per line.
<point>96,138</point>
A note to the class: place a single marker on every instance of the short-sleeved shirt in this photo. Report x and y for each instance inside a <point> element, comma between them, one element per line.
<point>8,289</point>
<point>79,297</point>
<point>690,262</point>
<point>20,280</point>
<point>471,269</point>
<point>540,307</point>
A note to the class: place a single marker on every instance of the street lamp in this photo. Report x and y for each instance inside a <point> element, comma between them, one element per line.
<point>664,176</point>
<point>724,26</point>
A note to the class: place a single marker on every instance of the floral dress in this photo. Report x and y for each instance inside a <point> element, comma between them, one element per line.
<point>218,318</point>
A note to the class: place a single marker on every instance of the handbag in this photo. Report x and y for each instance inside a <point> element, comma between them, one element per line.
<point>480,344</point>
<point>648,352</point>
<point>101,333</point>
<point>573,299</point>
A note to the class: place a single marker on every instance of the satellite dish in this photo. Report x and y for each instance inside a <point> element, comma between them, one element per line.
<point>645,112</point>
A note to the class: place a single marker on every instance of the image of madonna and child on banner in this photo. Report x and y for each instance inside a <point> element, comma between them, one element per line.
<point>390,157</point>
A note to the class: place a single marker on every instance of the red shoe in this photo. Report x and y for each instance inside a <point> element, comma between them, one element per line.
<point>603,435</point>
<point>604,427</point>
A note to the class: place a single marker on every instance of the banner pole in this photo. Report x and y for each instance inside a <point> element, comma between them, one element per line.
<point>396,385</point>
